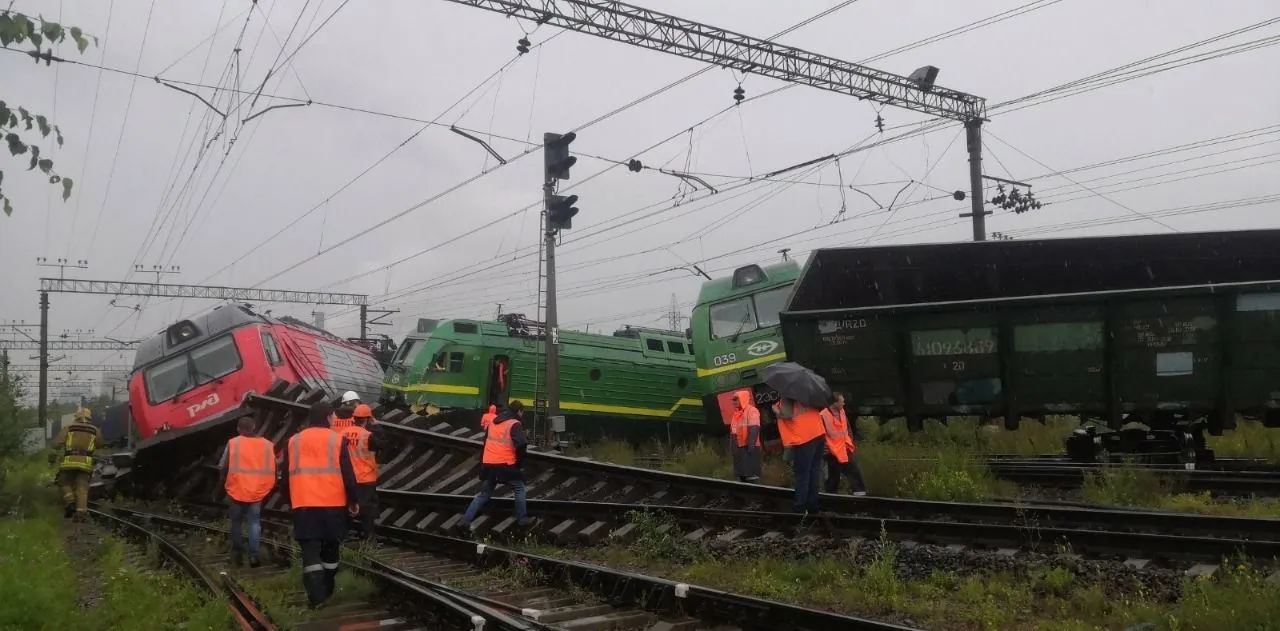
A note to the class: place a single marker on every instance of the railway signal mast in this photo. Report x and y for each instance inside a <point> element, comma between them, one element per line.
<point>557,216</point>
<point>666,33</point>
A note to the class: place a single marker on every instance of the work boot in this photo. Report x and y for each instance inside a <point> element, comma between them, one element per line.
<point>237,558</point>
<point>254,562</point>
<point>69,511</point>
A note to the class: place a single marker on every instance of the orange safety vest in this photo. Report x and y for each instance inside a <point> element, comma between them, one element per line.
<point>340,424</point>
<point>487,417</point>
<point>315,472</point>
<point>498,446</point>
<point>805,425</point>
<point>251,468</point>
<point>362,460</point>
<point>743,420</point>
<point>839,443</point>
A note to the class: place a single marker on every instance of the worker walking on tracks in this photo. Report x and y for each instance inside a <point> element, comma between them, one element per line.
<point>744,434</point>
<point>504,449</point>
<point>249,474</point>
<point>841,450</point>
<point>487,417</point>
<point>321,485</point>
<point>73,453</point>
<point>801,429</point>
<point>363,446</point>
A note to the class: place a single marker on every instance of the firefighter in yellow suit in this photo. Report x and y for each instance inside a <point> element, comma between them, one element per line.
<point>73,453</point>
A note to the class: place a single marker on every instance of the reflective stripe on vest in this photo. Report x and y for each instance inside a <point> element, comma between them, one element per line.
<point>78,459</point>
<point>251,468</point>
<point>315,472</point>
<point>362,460</point>
<point>498,446</point>
<point>838,443</point>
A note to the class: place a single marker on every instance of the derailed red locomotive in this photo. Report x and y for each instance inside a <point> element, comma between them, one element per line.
<point>191,381</point>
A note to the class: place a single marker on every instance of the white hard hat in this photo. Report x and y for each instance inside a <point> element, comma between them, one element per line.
<point>350,396</point>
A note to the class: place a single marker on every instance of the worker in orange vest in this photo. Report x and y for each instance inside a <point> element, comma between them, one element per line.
<point>248,475</point>
<point>487,417</point>
<point>744,434</point>
<point>504,449</point>
<point>362,446</point>
<point>321,483</point>
<point>343,414</point>
<point>801,429</point>
<point>841,450</point>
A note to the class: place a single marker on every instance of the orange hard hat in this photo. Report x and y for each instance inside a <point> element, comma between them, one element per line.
<point>363,411</point>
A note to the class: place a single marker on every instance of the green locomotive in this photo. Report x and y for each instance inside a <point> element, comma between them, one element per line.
<point>635,384</point>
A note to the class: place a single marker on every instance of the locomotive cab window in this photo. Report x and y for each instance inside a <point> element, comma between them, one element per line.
<point>675,347</point>
<point>743,315</point>
<point>185,372</point>
<point>438,363</point>
<point>269,347</point>
<point>455,361</point>
<point>653,345</point>
<point>769,304</point>
<point>731,318</point>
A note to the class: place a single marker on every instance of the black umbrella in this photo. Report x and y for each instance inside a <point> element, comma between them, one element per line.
<point>793,381</point>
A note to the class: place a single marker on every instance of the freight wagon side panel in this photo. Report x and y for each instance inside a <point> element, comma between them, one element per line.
<point>858,355</point>
<point>1253,346</point>
<point>1058,358</point>
<point>1167,355</point>
<point>954,363</point>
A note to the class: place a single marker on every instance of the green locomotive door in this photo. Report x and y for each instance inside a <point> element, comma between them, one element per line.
<point>499,381</point>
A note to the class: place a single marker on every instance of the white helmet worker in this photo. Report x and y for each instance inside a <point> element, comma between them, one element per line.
<point>350,397</point>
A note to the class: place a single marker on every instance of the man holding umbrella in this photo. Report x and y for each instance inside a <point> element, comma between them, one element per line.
<point>803,394</point>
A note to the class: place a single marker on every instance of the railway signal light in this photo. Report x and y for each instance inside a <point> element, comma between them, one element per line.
<point>555,151</point>
<point>560,212</point>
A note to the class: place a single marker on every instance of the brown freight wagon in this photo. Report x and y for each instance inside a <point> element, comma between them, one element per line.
<point>1175,331</point>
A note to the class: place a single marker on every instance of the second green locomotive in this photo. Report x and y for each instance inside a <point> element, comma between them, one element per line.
<point>635,384</point>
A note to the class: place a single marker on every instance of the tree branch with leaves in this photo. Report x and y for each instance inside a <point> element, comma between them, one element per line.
<point>19,126</point>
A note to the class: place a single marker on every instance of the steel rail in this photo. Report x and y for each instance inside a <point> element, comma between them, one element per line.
<point>246,612</point>
<point>1195,480</point>
<point>463,614</point>
<point>596,520</point>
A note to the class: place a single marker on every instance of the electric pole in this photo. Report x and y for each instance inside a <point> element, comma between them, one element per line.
<point>42,404</point>
<point>559,216</point>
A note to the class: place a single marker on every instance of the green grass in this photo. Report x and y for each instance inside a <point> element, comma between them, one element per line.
<point>39,578</point>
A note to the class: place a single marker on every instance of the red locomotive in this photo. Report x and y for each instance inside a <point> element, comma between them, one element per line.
<point>197,372</point>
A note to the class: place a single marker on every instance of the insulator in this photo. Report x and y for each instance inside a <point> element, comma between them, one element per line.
<point>879,123</point>
<point>634,165</point>
<point>739,94</point>
<point>522,45</point>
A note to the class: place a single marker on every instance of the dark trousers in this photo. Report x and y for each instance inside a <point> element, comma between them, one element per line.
<point>806,467</point>
<point>367,500</point>
<point>850,470</point>
<point>486,492</point>
<point>240,513</point>
<point>319,568</point>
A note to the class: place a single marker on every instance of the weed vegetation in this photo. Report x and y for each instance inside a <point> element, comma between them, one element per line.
<point>53,581</point>
<point>946,462</point>
<point>871,581</point>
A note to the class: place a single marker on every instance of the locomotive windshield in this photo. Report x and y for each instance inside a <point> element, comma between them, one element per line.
<point>182,373</point>
<point>746,314</point>
<point>409,351</point>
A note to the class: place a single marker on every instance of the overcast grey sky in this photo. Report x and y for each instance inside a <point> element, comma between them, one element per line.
<point>139,200</point>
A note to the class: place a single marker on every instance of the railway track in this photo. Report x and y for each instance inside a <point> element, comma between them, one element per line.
<point>399,602</point>
<point>555,594</point>
<point>431,473</point>
<point>1219,482</point>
